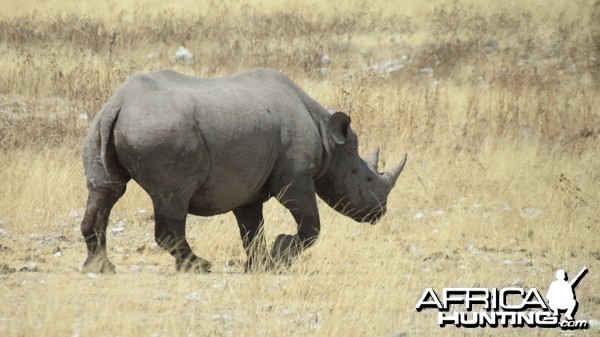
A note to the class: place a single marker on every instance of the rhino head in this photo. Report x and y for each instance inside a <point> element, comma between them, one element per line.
<point>352,185</point>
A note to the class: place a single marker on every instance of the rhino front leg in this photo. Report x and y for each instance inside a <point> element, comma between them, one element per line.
<point>300,199</point>
<point>250,221</point>
<point>170,234</point>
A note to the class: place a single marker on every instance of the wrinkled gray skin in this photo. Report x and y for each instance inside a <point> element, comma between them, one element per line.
<point>210,146</point>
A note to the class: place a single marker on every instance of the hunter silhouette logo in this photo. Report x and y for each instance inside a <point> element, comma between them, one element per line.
<point>561,294</point>
<point>507,307</point>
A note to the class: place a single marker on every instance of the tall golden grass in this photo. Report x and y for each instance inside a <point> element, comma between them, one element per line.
<point>496,103</point>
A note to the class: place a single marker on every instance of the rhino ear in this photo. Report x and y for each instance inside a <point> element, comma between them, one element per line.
<point>339,123</point>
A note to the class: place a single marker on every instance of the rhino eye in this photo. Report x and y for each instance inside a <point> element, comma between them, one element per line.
<point>369,178</point>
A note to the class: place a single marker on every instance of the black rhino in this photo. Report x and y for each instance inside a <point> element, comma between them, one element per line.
<point>210,146</point>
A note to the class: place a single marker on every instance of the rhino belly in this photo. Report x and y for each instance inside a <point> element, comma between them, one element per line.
<point>212,199</point>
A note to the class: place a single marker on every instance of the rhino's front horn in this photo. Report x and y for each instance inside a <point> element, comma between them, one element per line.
<point>372,159</point>
<point>392,175</point>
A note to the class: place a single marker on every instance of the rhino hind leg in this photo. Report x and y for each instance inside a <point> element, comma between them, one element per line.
<point>170,235</point>
<point>93,227</point>
<point>250,222</point>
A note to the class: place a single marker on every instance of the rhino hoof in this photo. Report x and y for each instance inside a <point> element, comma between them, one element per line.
<point>98,266</point>
<point>195,265</point>
<point>284,250</point>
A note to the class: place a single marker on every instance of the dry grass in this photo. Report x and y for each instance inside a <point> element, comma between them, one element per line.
<point>502,131</point>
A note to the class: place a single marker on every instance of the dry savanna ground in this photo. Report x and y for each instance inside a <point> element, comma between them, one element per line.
<point>495,102</point>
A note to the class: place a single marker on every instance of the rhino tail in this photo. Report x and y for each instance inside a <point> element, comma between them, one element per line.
<point>107,123</point>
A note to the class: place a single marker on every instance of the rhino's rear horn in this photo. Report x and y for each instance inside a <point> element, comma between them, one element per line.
<point>392,175</point>
<point>372,160</point>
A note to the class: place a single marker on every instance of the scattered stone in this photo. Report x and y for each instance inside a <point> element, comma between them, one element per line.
<point>312,321</point>
<point>58,253</point>
<point>288,311</point>
<point>49,241</point>
<point>135,268</point>
<point>325,59</point>
<point>6,269</point>
<point>507,262</point>
<point>29,267</point>
<point>594,324</point>
<point>426,70</point>
<point>141,211</point>
<point>118,230</point>
<point>3,232</point>
<point>396,334</point>
<point>193,297</point>
<point>525,261</point>
<point>530,213</point>
<point>225,317</point>
<point>267,307</point>
<point>439,212</point>
<point>92,275</point>
<point>184,56</point>
<point>152,267</point>
<point>162,296</point>
<point>419,215</point>
<point>471,248</point>
<point>74,214</point>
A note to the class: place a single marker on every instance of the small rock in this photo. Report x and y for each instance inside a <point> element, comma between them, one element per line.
<point>92,275</point>
<point>152,267</point>
<point>58,253</point>
<point>288,311</point>
<point>439,212</point>
<point>29,267</point>
<point>162,296</point>
<point>118,230</point>
<point>471,248</point>
<point>74,214</point>
<point>419,215</point>
<point>594,324</point>
<point>525,262</point>
<point>325,59</point>
<point>267,307</point>
<point>530,213</point>
<point>141,211</point>
<point>49,241</point>
<point>396,334</point>
<point>182,55</point>
<point>193,297</point>
<point>135,268</point>
<point>3,232</point>
<point>426,70</point>
<point>507,262</point>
